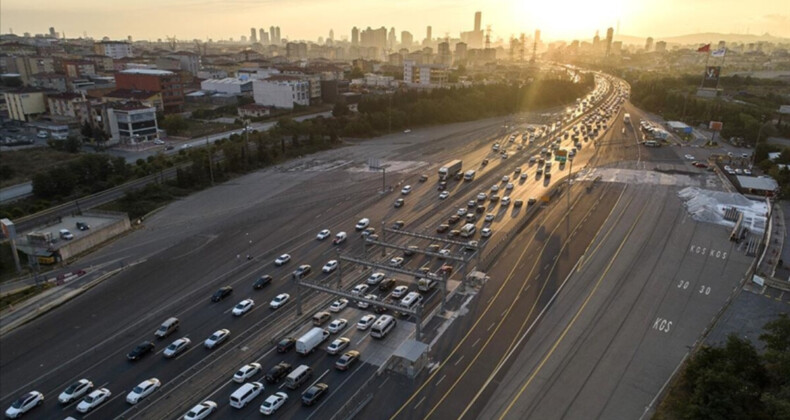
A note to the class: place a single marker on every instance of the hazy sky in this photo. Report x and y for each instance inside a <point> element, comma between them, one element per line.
<point>309,19</point>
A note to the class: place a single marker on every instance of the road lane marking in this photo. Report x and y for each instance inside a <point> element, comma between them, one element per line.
<point>475,343</point>
<point>348,377</point>
<point>459,360</point>
<point>440,380</point>
<point>384,382</point>
<point>418,404</point>
<point>491,326</point>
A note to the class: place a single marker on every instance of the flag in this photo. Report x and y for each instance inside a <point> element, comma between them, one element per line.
<point>719,52</point>
<point>704,48</point>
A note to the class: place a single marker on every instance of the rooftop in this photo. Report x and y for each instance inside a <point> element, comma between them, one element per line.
<point>282,78</point>
<point>150,72</point>
<point>228,81</point>
<point>762,183</point>
<point>65,96</point>
<point>130,94</point>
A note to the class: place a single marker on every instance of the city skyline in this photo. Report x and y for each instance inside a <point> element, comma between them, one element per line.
<point>507,17</point>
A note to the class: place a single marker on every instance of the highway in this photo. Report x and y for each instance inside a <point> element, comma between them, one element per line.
<point>192,247</point>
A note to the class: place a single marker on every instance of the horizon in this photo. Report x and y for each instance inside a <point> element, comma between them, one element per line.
<point>445,17</point>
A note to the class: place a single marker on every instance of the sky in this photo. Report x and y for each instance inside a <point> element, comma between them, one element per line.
<point>309,19</point>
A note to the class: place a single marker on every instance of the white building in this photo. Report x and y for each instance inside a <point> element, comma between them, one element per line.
<point>423,74</point>
<point>375,80</point>
<point>131,123</point>
<point>228,85</point>
<point>114,49</point>
<point>281,91</point>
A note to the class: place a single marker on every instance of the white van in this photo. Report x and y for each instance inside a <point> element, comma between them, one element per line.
<point>340,238</point>
<point>299,376</point>
<point>168,327</point>
<point>411,300</point>
<point>468,230</point>
<point>246,393</point>
<point>382,326</point>
<point>363,223</point>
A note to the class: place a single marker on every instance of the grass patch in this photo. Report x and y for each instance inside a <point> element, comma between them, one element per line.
<point>201,128</point>
<point>25,163</point>
<point>23,295</point>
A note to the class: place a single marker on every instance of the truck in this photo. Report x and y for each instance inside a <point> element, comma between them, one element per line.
<point>425,284</point>
<point>469,175</point>
<point>450,169</point>
<point>308,342</point>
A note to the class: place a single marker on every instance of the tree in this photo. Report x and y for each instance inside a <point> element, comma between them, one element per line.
<point>356,73</point>
<point>174,124</point>
<point>72,144</point>
<point>340,109</point>
<point>86,130</point>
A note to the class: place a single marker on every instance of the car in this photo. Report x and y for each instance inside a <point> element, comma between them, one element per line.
<point>454,232</point>
<point>532,200</point>
<point>446,269</point>
<point>396,262</point>
<point>362,224</point>
<point>201,411</point>
<point>432,248</point>
<point>484,162</point>
<point>262,281</point>
<point>314,393</point>
<point>480,209</point>
<point>442,186</point>
<point>217,338</point>
<point>360,289</point>
<point>738,171</point>
<point>338,305</point>
<point>142,390</point>
<point>518,203</point>
<point>176,347</point>
<point>279,300</point>
<point>42,134</point>
<point>346,360</point>
<point>398,225</point>
<point>221,293</point>
<point>444,195</point>
<point>243,307</point>
<point>442,228</point>
<point>159,142</point>
<point>278,372</point>
<point>273,402</point>
<point>444,253</point>
<point>375,278</point>
<point>93,400</point>
<point>339,344</point>
<point>141,350</point>
<point>398,203</point>
<point>75,391</point>
<point>410,250</point>
<point>505,200</point>
<point>406,189</point>
<point>689,157</point>
<point>747,172</point>
<point>246,372</point>
<point>24,404</point>
<point>369,231</point>
<point>454,218</point>
<point>302,271</point>
<point>83,226</point>
<point>509,186</point>
<point>495,188</point>
<point>480,197</point>
<point>364,305</point>
<point>485,232</point>
<point>386,285</point>
<point>517,170</point>
<point>505,178</point>
<point>282,259</point>
<point>337,325</point>
<point>489,217</point>
<point>700,165</point>
<point>340,238</point>
<point>423,178</point>
<point>66,235</point>
<point>330,266</point>
<point>285,344</point>
<point>365,322</point>
<point>400,291</point>
<point>323,234</point>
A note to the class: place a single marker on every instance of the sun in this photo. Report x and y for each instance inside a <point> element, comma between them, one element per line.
<point>567,18</point>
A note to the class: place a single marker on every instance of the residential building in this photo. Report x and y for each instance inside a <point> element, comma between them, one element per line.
<point>69,105</point>
<point>281,91</point>
<point>28,66</point>
<point>166,82</point>
<point>188,61</point>
<point>49,81</point>
<point>131,122</point>
<point>26,103</point>
<point>228,85</point>
<point>355,36</point>
<point>212,74</point>
<point>661,46</point>
<point>296,50</point>
<point>460,52</point>
<point>254,111</point>
<point>146,97</point>
<point>406,39</point>
<point>424,74</point>
<point>101,62</point>
<point>79,68</point>
<point>331,90</point>
<point>648,44</point>
<point>114,49</point>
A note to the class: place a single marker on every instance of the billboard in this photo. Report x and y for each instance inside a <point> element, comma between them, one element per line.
<point>711,79</point>
<point>784,109</point>
<point>715,125</point>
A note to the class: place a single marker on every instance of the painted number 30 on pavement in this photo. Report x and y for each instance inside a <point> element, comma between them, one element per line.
<point>709,252</point>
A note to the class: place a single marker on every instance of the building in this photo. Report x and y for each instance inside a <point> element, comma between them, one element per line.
<point>661,46</point>
<point>79,68</point>
<point>423,74</point>
<point>406,39</point>
<point>25,104</point>
<point>374,38</point>
<point>254,111</point>
<point>263,37</point>
<point>29,66</point>
<point>228,86</point>
<point>281,91</point>
<point>609,38</point>
<point>355,36</point>
<point>145,97</point>
<point>181,60</point>
<point>131,122</point>
<point>428,35</point>
<point>165,82</point>
<point>332,90</point>
<point>49,81</point>
<point>445,56</point>
<point>69,105</point>
<point>296,50</point>
<point>460,52</point>
<point>114,49</point>
<point>212,74</point>
<point>648,44</point>
<point>253,36</point>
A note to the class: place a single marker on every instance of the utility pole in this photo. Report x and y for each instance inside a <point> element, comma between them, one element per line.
<point>210,164</point>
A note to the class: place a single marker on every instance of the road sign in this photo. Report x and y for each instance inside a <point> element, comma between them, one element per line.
<point>561,155</point>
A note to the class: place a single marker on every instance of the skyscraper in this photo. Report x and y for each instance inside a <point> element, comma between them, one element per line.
<point>428,35</point>
<point>649,44</point>
<point>272,34</point>
<point>355,36</point>
<point>609,38</point>
<point>264,38</point>
<point>596,45</point>
<point>478,18</point>
<point>537,36</point>
<point>261,34</point>
<point>391,39</point>
<point>253,36</point>
<point>331,34</point>
<point>406,39</point>
<point>279,35</point>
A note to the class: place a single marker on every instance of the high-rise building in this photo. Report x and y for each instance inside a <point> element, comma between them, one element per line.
<point>478,18</point>
<point>661,46</point>
<point>355,36</point>
<point>445,58</point>
<point>261,34</point>
<point>52,32</point>
<point>609,39</point>
<point>460,52</point>
<point>391,41</point>
<point>253,36</point>
<point>596,44</point>
<point>428,35</point>
<point>331,35</point>
<point>374,38</point>
<point>273,34</point>
<point>722,44</point>
<point>649,44</point>
<point>406,39</point>
<point>279,35</point>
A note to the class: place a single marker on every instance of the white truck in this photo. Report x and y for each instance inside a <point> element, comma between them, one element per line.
<point>469,175</point>
<point>450,169</point>
<point>308,342</point>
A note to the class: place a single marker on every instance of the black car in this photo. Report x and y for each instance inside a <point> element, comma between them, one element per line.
<point>485,162</point>
<point>442,186</point>
<point>423,178</point>
<point>398,225</point>
<point>262,281</point>
<point>278,371</point>
<point>410,251</point>
<point>302,271</point>
<point>453,219</point>
<point>386,285</point>
<point>82,226</point>
<point>222,293</point>
<point>442,228</point>
<point>314,393</point>
<point>285,344</point>
<point>141,350</point>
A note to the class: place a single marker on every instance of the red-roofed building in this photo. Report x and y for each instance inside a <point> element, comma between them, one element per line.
<point>167,83</point>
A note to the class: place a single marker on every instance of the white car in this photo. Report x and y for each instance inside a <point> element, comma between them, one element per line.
<point>142,390</point>
<point>406,190</point>
<point>24,404</point>
<point>217,338</point>
<point>360,289</point>
<point>201,411</point>
<point>489,217</point>
<point>75,391</point>
<point>461,211</point>
<point>338,305</point>
<point>443,195</point>
<point>444,253</point>
<point>273,402</point>
<point>282,259</point>
<point>366,322</point>
<point>337,325</point>
<point>339,344</point>
<point>246,372</point>
<point>364,305</point>
<point>690,157</point>
<point>505,178</point>
<point>400,291</point>
<point>505,200</point>
<point>93,400</point>
<point>747,172</point>
<point>323,234</point>
<point>485,232</point>
<point>176,347</point>
<point>159,142</point>
<point>375,278</point>
<point>480,197</point>
<point>330,266</point>
<point>279,300</point>
<point>243,307</point>
<point>396,262</point>
<point>495,188</point>
<point>362,224</point>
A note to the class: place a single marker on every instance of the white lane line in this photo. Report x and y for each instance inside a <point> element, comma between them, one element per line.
<point>440,380</point>
<point>318,409</point>
<point>418,404</point>
<point>384,382</point>
<point>490,326</point>
<point>475,343</point>
<point>459,360</point>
